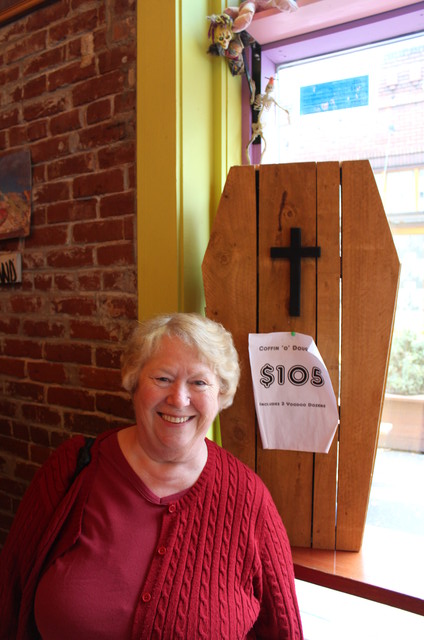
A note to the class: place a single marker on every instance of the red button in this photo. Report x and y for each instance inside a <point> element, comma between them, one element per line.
<point>172,508</point>
<point>162,551</point>
<point>146,597</point>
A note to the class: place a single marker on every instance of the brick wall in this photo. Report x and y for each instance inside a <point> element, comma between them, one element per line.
<point>67,78</point>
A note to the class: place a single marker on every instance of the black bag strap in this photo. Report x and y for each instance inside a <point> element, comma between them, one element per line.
<point>84,456</point>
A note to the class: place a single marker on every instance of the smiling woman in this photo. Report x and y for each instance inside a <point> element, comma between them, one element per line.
<point>162,533</point>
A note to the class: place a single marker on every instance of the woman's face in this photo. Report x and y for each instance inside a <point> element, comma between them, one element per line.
<point>175,403</point>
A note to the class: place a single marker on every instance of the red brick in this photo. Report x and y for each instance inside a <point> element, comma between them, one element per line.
<point>9,118</point>
<point>39,454</point>
<point>18,136</point>
<point>110,358</point>
<point>115,405</point>
<point>12,367</point>
<point>69,75</point>
<point>13,487</point>
<point>84,330</point>
<point>25,304</point>
<point>34,87</point>
<point>75,305</point>
<point>116,58</point>
<point>118,254</point>
<point>73,258</point>
<point>47,15</point>
<point>43,282</point>
<point>46,150</point>
<point>72,210</point>
<point>22,348</point>
<point>11,445</point>
<point>46,59</point>
<point>33,260</point>
<point>98,232</point>
<point>98,183</point>
<point>27,390</point>
<point>67,397</point>
<point>95,378</point>
<point>119,154</point>
<point>119,306</point>
<point>68,121</point>
<point>90,281</point>
<point>64,282</point>
<point>68,352</point>
<point>9,74</point>
<point>52,192</point>
<point>98,111</point>
<point>117,204</point>
<point>95,88</point>
<point>123,29</point>
<point>72,165</point>
<point>9,325</point>
<point>10,409</point>
<point>125,102</point>
<point>5,521</point>
<point>57,438</point>
<point>3,140</point>
<point>101,134</point>
<point>124,281</point>
<point>26,471</point>
<point>82,22</point>
<point>46,372</point>
<point>45,107</point>
<point>26,46</point>
<point>37,130</point>
<point>39,435</point>
<point>20,431</point>
<point>48,236</point>
<point>39,176</point>
<point>41,414</point>
<point>43,328</point>
<point>129,228</point>
<point>87,423</point>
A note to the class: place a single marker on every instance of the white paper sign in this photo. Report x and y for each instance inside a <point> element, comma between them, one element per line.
<point>295,403</point>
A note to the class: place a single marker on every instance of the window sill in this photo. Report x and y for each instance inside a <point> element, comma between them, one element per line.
<point>388,569</point>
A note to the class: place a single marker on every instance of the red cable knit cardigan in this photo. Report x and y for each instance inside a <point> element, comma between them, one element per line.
<point>227,573</point>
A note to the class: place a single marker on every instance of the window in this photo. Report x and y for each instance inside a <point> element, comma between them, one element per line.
<point>368,103</point>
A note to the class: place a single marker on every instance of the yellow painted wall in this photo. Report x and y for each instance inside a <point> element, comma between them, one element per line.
<point>188,136</point>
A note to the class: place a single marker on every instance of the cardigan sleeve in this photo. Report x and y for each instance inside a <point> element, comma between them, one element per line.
<point>35,511</point>
<point>279,616</point>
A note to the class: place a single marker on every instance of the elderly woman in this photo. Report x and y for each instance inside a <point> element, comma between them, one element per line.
<point>154,531</point>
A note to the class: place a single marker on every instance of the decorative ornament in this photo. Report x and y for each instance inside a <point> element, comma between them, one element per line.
<point>263,102</point>
<point>231,46</point>
<point>243,15</point>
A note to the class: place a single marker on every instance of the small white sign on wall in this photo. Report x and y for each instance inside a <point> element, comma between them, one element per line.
<point>10,268</point>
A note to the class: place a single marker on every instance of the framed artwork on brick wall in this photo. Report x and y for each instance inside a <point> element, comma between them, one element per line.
<point>11,8</point>
<point>15,195</point>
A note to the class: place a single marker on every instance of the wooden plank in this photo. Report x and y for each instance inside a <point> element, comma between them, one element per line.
<point>284,202</point>
<point>370,274</point>
<point>328,305</point>
<point>229,276</point>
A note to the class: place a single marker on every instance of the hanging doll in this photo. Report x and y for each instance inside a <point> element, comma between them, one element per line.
<point>243,15</point>
<point>230,39</point>
<point>230,45</point>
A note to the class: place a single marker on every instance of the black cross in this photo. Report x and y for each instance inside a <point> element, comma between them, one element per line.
<point>295,252</point>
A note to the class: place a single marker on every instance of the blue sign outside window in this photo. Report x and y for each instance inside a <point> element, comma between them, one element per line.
<point>330,96</point>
